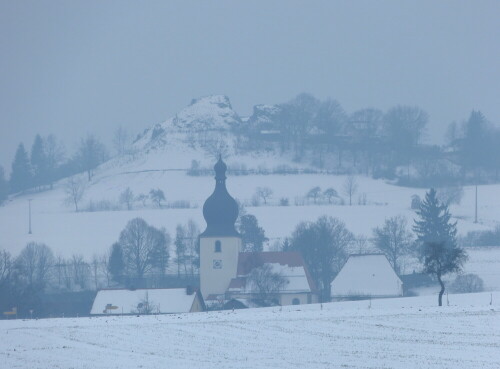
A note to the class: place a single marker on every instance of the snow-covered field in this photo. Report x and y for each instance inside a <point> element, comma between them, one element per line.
<point>393,333</point>
<point>87,233</point>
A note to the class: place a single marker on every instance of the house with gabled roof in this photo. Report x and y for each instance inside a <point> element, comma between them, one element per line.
<point>122,301</point>
<point>366,276</point>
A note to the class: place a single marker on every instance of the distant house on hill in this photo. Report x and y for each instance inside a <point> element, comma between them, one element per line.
<point>147,301</point>
<point>366,276</point>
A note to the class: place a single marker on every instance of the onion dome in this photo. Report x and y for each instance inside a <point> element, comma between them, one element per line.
<point>220,209</point>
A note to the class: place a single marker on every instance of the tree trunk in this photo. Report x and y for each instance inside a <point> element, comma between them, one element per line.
<point>441,292</point>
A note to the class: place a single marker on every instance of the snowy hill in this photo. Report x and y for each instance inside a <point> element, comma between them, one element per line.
<point>159,159</point>
<point>390,333</point>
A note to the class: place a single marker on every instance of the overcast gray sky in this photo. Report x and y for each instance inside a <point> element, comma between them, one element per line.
<point>77,67</point>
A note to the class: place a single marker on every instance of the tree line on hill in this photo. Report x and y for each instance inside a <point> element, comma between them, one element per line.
<point>48,162</point>
<point>387,144</point>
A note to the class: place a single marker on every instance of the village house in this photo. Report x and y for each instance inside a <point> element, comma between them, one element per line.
<point>147,301</point>
<point>366,276</point>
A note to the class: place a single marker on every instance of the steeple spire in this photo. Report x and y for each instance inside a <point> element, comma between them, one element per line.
<point>220,209</point>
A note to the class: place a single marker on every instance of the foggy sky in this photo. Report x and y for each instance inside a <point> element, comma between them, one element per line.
<point>73,68</point>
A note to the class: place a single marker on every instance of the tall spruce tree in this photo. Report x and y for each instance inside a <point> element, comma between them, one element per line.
<point>252,236</point>
<point>20,178</point>
<point>116,264</point>
<point>4,188</point>
<point>437,240</point>
<point>38,161</point>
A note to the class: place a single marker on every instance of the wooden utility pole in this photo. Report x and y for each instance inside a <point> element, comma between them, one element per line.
<point>475,217</point>
<point>29,206</point>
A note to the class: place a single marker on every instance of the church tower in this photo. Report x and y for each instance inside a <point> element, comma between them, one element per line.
<point>220,243</point>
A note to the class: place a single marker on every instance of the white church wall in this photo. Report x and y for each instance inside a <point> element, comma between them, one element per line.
<point>218,268</point>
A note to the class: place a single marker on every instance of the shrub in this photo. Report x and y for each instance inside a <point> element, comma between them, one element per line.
<point>180,204</point>
<point>467,283</point>
<point>481,238</point>
<point>284,201</point>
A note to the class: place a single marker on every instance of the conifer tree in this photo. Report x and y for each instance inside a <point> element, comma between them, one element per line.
<point>20,178</point>
<point>252,236</point>
<point>180,248</point>
<point>38,161</point>
<point>116,264</point>
<point>437,240</point>
<point>4,189</point>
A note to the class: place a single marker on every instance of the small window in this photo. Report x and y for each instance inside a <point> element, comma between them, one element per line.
<point>295,301</point>
<point>217,246</point>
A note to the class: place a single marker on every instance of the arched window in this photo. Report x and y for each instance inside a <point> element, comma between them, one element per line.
<point>295,301</point>
<point>217,246</point>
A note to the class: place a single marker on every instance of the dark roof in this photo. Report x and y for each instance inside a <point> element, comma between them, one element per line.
<point>250,260</point>
<point>239,282</point>
<point>220,209</point>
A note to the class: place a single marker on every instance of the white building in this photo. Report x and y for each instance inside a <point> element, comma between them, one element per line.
<point>368,275</point>
<point>224,268</point>
<point>147,301</point>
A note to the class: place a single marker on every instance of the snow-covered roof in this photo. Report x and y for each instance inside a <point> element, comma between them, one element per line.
<point>161,300</point>
<point>289,265</point>
<point>367,275</point>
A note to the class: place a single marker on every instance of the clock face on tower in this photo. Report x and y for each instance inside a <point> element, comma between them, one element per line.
<point>217,264</point>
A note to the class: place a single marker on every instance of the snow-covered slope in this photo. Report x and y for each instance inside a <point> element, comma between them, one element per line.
<point>159,160</point>
<point>402,333</point>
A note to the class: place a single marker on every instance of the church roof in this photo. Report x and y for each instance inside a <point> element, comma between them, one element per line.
<point>220,209</point>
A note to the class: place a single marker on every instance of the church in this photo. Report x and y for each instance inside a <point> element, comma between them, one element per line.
<point>229,276</point>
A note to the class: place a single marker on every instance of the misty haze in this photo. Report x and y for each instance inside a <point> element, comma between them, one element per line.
<point>230,184</point>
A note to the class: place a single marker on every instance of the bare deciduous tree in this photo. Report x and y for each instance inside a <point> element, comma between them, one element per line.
<point>142,198</point>
<point>330,193</point>
<point>127,198</point>
<point>394,240</point>
<point>104,266</point>
<point>90,154</point>
<point>74,188</point>
<point>264,193</point>
<point>34,263</point>
<point>95,268</point>
<point>142,246</point>
<point>314,193</point>
<point>266,284</point>
<point>5,266</point>
<point>157,196</point>
<point>350,187</point>
<point>323,244</point>
<point>81,271</point>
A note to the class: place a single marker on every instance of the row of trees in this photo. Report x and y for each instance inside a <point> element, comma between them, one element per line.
<point>377,142</point>
<point>47,163</point>
<point>324,244</point>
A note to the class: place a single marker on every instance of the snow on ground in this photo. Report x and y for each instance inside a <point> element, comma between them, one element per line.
<point>67,232</point>
<point>391,333</point>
